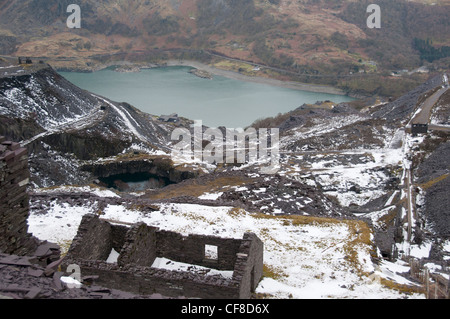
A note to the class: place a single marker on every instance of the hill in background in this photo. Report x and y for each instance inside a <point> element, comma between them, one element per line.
<point>318,41</point>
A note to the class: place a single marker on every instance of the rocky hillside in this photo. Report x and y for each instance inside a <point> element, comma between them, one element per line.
<point>40,93</point>
<point>352,162</point>
<point>63,125</point>
<point>360,154</point>
<point>311,41</point>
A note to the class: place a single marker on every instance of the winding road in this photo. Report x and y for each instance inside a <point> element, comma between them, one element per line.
<point>423,116</point>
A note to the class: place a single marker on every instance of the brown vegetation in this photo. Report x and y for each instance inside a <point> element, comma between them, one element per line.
<point>322,42</point>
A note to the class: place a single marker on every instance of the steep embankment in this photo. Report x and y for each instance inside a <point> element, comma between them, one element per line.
<point>63,125</point>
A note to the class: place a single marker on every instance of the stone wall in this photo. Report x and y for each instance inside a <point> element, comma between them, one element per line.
<point>248,269</point>
<point>141,244</point>
<point>14,201</point>
<point>191,249</point>
<point>142,280</point>
<point>93,240</point>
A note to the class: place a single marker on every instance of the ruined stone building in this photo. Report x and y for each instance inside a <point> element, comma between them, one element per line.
<point>140,244</point>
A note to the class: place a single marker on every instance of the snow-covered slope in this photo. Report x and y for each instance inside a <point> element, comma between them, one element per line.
<point>304,257</point>
<point>45,96</point>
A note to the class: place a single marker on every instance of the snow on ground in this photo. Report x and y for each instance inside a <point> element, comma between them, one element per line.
<point>97,191</point>
<point>320,126</point>
<point>211,196</point>
<point>302,260</point>
<point>164,263</point>
<point>337,178</point>
<point>28,99</point>
<point>59,224</point>
<point>125,117</point>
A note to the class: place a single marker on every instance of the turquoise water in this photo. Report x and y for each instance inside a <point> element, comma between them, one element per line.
<point>220,101</point>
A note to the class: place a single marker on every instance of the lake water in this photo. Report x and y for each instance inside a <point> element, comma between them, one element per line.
<point>220,101</point>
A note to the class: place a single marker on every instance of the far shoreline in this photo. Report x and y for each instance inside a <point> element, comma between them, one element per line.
<point>307,87</point>
<point>315,88</point>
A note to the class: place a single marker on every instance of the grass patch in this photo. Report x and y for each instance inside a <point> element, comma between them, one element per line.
<point>273,272</point>
<point>430,183</point>
<point>400,287</point>
<point>196,188</point>
<point>360,234</point>
<point>64,245</point>
<point>236,212</point>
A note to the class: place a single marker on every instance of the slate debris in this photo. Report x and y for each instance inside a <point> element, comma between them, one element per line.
<point>20,278</point>
<point>436,200</point>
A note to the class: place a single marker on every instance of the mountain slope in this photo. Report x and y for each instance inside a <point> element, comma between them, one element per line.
<point>319,41</point>
<point>46,96</point>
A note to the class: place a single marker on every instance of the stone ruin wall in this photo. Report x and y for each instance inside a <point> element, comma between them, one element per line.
<point>14,201</point>
<point>141,244</point>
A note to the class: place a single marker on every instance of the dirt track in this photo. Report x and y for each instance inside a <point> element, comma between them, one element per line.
<point>424,115</point>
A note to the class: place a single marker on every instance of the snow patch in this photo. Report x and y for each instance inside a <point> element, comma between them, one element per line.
<point>309,260</point>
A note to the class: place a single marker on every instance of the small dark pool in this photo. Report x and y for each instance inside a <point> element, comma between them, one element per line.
<point>134,182</point>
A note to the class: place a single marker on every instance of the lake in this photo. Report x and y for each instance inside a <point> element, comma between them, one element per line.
<point>218,102</point>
